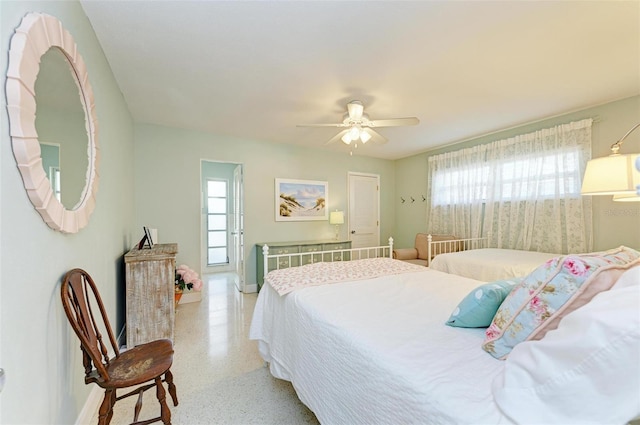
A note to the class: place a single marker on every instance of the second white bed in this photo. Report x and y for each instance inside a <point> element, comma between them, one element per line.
<point>490,264</point>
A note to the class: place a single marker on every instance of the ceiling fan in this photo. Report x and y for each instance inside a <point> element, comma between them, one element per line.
<point>359,128</point>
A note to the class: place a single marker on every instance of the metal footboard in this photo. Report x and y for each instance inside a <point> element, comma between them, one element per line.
<point>303,258</point>
<point>453,245</point>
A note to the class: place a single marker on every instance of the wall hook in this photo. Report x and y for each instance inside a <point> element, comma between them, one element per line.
<point>412,200</point>
<point>423,198</point>
<point>402,199</point>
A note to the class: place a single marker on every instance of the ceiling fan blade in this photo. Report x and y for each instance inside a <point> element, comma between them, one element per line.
<point>394,122</point>
<point>322,125</point>
<point>337,137</point>
<point>376,137</point>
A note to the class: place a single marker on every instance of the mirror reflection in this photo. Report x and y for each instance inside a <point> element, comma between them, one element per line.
<point>62,132</point>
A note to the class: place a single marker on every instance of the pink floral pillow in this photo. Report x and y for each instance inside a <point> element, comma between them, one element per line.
<point>541,297</point>
<point>601,280</point>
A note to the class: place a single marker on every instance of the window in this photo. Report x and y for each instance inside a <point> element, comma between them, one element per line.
<point>545,176</point>
<point>217,210</point>
<point>521,193</point>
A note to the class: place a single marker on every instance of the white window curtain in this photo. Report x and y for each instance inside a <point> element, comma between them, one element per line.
<point>521,193</point>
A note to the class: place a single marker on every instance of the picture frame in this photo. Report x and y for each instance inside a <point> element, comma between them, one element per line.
<point>301,200</point>
<point>146,239</point>
<point>147,233</point>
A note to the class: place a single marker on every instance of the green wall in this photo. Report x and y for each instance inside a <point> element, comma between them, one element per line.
<point>38,350</point>
<point>167,187</point>
<point>614,223</point>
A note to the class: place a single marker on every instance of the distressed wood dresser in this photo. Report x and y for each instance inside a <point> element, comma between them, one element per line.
<point>150,287</point>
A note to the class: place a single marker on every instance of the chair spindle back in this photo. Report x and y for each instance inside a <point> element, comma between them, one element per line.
<point>79,296</point>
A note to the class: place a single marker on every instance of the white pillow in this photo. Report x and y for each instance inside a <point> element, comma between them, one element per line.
<point>585,371</point>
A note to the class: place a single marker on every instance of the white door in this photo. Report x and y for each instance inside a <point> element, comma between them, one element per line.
<point>364,210</point>
<point>238,226</point>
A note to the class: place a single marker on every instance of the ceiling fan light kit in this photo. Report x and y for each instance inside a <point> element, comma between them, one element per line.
<point>358,127</point>
<point>356,133</point>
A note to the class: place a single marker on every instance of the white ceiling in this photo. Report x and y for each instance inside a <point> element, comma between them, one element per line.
<point>254,70</point>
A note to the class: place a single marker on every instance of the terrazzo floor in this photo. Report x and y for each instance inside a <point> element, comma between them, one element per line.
<point>219,375</point>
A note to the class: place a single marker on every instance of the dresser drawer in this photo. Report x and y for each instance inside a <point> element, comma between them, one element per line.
<point>277,250</point>
<point>337,245</point>
<point>339,255</point>
<point>309,257</point>
<point>311,248</point>
<point>283,262</point>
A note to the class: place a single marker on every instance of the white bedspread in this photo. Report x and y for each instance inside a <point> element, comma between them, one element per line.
<point>377,351</point>
<point>489,264</point>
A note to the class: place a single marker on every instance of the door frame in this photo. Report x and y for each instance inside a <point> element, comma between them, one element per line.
<point>206,269</point>
<point>351,174</point>
<point>237,231</point>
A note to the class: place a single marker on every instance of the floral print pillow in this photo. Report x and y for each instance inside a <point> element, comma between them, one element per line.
<point>541,294</point>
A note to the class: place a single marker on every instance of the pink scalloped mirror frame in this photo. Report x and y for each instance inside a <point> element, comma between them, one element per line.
<point>36,34</point>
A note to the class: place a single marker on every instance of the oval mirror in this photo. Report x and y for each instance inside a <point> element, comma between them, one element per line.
<point>60,124</point>
<point>60,175</point>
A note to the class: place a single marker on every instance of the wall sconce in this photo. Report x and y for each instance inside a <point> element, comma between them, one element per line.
<point>337,218</point>
<point>613,175</point>
<point>627,198</point>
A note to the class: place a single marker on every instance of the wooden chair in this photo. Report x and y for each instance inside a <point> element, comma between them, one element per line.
<point>143,364</point>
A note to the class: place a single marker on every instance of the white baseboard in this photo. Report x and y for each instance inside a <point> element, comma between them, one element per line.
<point>248,289</point>
<point>91,406</point>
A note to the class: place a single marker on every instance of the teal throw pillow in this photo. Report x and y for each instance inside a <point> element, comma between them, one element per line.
<point>477,309</point>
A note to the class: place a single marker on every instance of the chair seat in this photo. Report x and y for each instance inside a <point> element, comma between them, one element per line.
<point>139,364</point>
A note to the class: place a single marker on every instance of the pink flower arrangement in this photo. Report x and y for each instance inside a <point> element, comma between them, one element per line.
<point>187,279</point>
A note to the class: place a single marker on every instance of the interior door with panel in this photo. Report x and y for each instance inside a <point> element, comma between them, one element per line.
<point>238,226</point>
<point>364,209</point>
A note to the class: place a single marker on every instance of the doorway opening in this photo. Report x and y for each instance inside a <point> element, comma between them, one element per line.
<point>222,221</point>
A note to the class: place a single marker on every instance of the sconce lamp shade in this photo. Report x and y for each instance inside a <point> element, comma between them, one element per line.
<point>611,175</point>
<point>336,217</point>
<point>634,197</point>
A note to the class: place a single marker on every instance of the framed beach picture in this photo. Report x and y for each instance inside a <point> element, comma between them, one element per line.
<point>301,200</point>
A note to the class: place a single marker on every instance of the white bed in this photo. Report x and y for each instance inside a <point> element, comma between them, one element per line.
<point>377,351</point>
<point>490,264</point>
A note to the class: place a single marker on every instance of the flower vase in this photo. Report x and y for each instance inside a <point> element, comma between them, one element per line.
<point>177,296</point>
